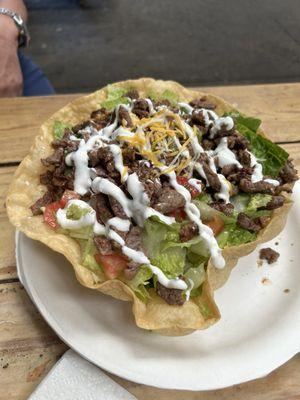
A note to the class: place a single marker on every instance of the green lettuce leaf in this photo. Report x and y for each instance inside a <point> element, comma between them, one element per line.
<point>82,233</point>
<point>165,95</point>
<point>258,200</point>
<point>88,251</point>
<point>59,129</point>
<point>270,155</point>
<point>233,235</point>
<point>196,275</point>
<point>156,239</point>
<point>115,96</point>
<point>139,282</point>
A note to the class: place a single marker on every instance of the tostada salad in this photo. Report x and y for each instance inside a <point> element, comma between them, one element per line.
<point>154,187</point>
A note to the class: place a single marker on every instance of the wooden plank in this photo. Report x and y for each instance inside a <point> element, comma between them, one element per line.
<point>7,258</point>
<point>29,348</point>
<point>20,119</point>
<point>278,105</point>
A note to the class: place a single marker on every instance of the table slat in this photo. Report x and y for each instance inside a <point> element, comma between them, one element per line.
<point>277,105</point>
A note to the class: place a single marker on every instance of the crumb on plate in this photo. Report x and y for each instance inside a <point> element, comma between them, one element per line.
<point>269,255</point>
<point>266,281</point>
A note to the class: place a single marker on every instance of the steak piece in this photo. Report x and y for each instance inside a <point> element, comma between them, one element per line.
<point>47,198</point>
<point>56,158</point>
<point>276,202</point>
<point>116,207</point>
<point>244,157</point>
<point>168,200</point>
<point>237,141</point>
<point>100,204</point>
<point>269,255</point>
<point>188,231</point>
<point>131,270</point>
<point>263,187</point>
<point>171,296</point>
<point>141,108</point>
<point>123,115</point>
<point>212,178</point>
<point>103,245</point>
<point>288,173</point>
<point>202,103</point>
<point>134,238</point>
<point>225,208</point>
<point>248,223</point>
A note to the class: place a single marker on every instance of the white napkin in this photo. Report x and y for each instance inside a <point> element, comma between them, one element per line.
<point>74,378</point>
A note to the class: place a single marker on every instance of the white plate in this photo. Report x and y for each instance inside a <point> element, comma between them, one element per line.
<point>258,332</point>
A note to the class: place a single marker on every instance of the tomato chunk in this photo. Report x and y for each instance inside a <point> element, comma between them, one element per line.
<point>68,195</point>
<point>178,214</point>
<point>50,214</point>
<point>113,264</point>
<point>216,224</point>
<point>182,180</point>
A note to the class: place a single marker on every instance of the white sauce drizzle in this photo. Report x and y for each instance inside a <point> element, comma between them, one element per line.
<point>122,225</point>
<point>218,123</point>
<point>187,107</point>
<point>196,184</point>
<point>225,155</point>
<point>118,160</point>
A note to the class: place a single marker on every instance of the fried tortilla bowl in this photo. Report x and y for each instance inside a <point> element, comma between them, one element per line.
<point>156,315</point>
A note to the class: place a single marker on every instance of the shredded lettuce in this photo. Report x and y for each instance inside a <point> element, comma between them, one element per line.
<point>270,155</point>
<point>82,233</point>
<point>115,96</point>
<point>88,251</point>
<point>139,282</point>
<point>59,129</point>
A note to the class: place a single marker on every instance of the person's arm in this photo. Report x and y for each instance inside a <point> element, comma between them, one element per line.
<point>11,80</point>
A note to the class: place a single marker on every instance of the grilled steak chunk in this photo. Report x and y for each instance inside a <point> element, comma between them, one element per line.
<point>171,296</point>
<point>269,255</point>
<point>247,223</point>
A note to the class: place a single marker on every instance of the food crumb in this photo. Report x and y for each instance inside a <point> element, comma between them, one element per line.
<point>5,366</point>
<point>269,255</point>
<point>266,281</point>
<point>286,291</point>
<point>259,263</point>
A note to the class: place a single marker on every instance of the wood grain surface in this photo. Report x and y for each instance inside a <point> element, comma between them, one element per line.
<point>28,347</point>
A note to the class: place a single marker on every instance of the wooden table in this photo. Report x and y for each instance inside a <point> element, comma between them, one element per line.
<point>28,347</point>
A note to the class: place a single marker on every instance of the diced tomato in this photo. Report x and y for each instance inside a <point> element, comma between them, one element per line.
<point>50,214</point>
<point>68,195</point>
<point>216,224</point>
<point>113,264</point>
<point>178,214</point>
<point>182,180</point>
